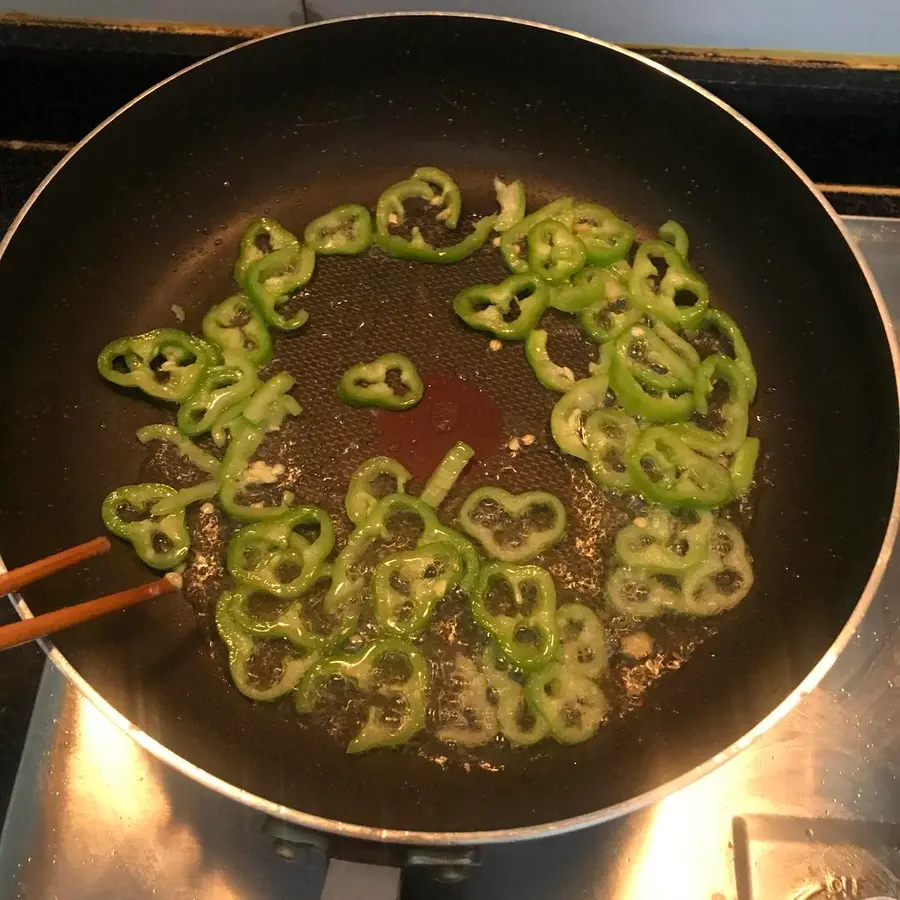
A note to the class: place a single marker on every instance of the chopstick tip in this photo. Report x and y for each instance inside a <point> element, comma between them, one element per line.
<point>174,579</point>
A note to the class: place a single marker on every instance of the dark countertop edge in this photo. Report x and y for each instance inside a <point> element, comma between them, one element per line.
<point>834,114</point>
<point>196,40</point>
<point>192,40</point>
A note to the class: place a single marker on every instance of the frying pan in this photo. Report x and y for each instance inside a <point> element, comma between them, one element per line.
<point>146,213</point>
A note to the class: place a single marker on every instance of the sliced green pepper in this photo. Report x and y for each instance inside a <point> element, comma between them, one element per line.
<point>514,241</point>
<point>258,410</point>
<point>390,211</point>
<point>220,389</point>
<point>237,475</point>
<point>549,374</point>
<point>582,640</point>
<point>237,326</point>
<point>510,310</point>
<point>517,721</point>
<point>612,313</point>
<point>528,639</point>
<point>606,238</point>
<point>260,237</point>
<point>162,542</point>
<point>666,470</point>
<point>673,233</point>
<point>682,348</point>
<point>360,499</point>
<point>419,249</point>
<point>361,668</point>
<point>347,584</point>
<point>734,412</point>
<point>476,717</point>
<point>247,433</point>
<point>554,253</point>
<point>511,200</point>
<point>293,623</point>
<point>639,593</point>
<point>366,384</point>
<point>187,448</point>
<point>658,358</point>
<point>664,544</point>
<point>723,579</point>
<point>649,403</point>
<point>572,705</point>
<point>587,287</point>
<point>494,518</point>
<point>277,410</point>
<point>725,325</point>
<point>568,416</point>
<point>166,363</point>
<point>446,474</point>
<point>620,270</point>
<point>344,231</point>
<point>608,436</point>
<point>390,207</point>
<point>274,557</point>
<point>604,360</point>
<point>241,651</point>
<point>273,279</point>
<point>659,296</point>
<point>449,199</point>
<point>407,586</point>
<point>743,466</point>
<point>180,500</point>
<point>466,549</point>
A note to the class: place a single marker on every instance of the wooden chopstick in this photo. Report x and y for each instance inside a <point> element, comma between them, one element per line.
<point>17,578</point>
<point>41,626</point>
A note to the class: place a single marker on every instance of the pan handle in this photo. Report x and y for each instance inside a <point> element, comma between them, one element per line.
<point>352,880</point>
<point>366,869</point>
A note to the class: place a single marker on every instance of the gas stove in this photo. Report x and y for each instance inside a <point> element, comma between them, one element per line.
<point>810,810</point>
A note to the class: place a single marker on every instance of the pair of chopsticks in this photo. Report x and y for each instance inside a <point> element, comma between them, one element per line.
<point>41,626</point>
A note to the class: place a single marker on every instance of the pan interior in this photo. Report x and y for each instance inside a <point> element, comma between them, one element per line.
<point>148,214</point>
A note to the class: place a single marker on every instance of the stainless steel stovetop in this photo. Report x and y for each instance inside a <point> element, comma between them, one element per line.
<point>809,811</point>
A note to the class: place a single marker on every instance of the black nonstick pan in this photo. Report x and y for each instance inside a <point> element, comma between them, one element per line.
<point>146,214</point>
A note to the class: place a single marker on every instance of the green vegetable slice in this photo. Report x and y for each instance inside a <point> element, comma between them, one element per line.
<point>273,280</point>
<point>510,310</point>
<point>361,498</point>
<point>526,634</point>
<point>361,668</point>
<point>407,586</point>
<point>161,541</point>
<point>549,374</point>
<point>662,543</point>
<point>276,558</point>
<point>237,326</point>
<point>242,648</point>
<point>445,476</point>
<point>723,579</point>
<point>571,704</point>
<point>344,231</point>
<point>582,640</point>
<point>366,384</point>
<point>495,518</point>
<point>667,471</point>
<point>166,363</point>
<point>261,236</point>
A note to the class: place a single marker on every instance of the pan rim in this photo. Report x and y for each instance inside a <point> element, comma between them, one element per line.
<point>561,826</point>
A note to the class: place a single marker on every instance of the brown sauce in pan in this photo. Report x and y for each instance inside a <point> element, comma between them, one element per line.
<point>453,409</point>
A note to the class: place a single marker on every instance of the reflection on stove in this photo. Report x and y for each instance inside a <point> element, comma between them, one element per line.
<point>789,858</point>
